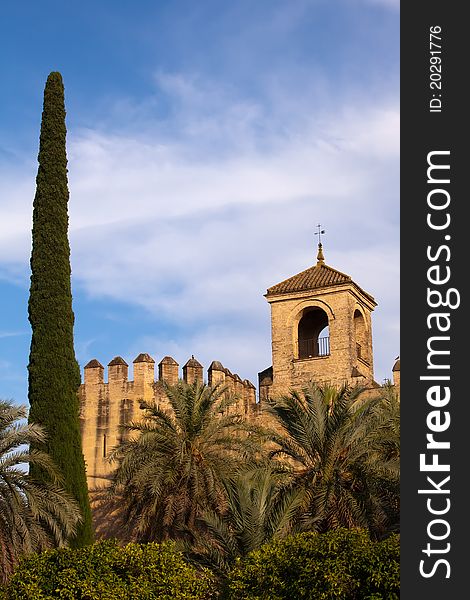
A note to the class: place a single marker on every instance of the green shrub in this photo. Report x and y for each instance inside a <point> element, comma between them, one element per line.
<point>340,564</point>
<point>106,571</point>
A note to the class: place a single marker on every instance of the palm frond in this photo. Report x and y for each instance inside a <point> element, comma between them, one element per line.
<point>33,515</point>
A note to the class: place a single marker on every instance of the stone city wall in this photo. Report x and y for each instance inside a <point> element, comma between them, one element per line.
<point>107,405</point>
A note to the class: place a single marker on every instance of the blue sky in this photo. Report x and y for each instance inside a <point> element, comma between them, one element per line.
<point>205,142</point>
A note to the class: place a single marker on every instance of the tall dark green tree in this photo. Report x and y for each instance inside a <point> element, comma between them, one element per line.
<point>54,374</point>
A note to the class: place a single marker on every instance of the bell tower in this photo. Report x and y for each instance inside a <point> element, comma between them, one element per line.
<point>321,330</point>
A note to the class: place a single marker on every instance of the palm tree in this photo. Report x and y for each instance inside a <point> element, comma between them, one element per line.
<point>385,439</point>
<point>173,468</point>
<point>329,437</point>
<point>259,508</point>
<point>387,423</point>
<point>34,515</point>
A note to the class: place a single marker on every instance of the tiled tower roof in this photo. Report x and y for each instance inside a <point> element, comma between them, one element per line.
<point>315,277</point>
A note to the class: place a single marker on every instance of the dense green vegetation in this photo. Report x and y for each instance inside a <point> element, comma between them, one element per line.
<point>54,375</point>
<point>34,515</point>
<point>200,474</point>
<point>106,571</point>
<point>259,507</point>
<point>340,564</point>
<point>342,448</point>
<point>305,509</point>
<point>174,466</point>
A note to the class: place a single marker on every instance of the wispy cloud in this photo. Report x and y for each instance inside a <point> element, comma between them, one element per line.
<point>9,334</point>
<point>394,4</point>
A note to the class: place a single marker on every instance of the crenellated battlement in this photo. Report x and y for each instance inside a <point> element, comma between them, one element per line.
<point>107,403</point>
<point>168,371</point>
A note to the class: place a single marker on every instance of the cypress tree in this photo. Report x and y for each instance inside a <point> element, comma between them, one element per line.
<point>54,374</point>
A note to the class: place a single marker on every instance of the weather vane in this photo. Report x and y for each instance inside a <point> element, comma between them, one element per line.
<point>319,233</point>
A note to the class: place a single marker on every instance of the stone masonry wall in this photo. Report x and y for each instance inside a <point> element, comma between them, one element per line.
<point>105,406</point>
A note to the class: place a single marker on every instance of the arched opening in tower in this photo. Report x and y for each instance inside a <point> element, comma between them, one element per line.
<point>362,350</point>
<point>313,333</point>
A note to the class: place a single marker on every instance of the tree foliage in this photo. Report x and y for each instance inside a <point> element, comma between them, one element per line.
<point>54,375</point>
<point>172,465</point>
<point>341,564</point>
<point>386,426</point>
<point>329,437</point>
<point>34,515</point>
<point>106,571</point>
<point>258,508</point>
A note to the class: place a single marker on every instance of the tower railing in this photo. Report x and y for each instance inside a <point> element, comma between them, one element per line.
<point>314,347</point>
